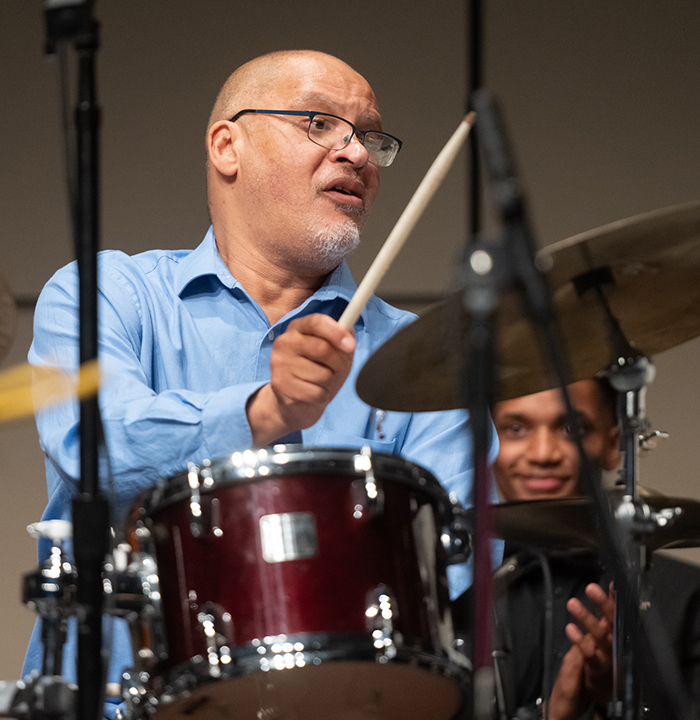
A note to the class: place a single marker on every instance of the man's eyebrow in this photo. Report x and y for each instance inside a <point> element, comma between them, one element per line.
<point>581,418</point>
<point>511,416</point>
<point>314,100</point>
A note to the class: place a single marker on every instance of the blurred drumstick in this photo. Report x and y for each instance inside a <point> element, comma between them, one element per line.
<point>25,388</point>
<point>422,196</point>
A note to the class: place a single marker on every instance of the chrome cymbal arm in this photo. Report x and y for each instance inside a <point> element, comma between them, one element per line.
<point>51,592</point>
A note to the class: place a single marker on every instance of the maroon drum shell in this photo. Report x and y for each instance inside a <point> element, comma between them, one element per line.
<point>326,593</point>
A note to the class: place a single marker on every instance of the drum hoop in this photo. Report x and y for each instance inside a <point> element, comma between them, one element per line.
<point>178,682</point>
<point>264,464</point>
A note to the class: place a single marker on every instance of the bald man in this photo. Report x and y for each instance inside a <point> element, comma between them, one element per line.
<point>236,344</point>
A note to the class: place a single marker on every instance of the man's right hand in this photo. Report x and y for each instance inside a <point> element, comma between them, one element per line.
<point>585,676</point>
<point>310,362</point>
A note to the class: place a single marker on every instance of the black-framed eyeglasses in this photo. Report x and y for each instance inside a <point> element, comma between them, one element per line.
<point>334,133</point>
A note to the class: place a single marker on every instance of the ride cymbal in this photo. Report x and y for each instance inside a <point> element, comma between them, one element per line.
<point>566,523</point>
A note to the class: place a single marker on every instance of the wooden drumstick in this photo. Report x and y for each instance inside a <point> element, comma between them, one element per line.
<point>422,196</point>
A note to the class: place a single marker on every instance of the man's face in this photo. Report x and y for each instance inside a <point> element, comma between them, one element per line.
<point>537,459</point>
<point>304,201</point>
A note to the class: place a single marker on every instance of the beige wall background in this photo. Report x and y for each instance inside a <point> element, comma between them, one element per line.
<point>601,100</point>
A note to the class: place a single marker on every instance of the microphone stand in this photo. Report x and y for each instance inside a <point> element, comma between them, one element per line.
<point>70,21</point>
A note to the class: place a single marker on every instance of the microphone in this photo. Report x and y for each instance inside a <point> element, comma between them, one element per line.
<point>69,20</point>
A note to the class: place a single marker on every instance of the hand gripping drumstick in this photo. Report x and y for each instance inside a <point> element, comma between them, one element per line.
<point>422,196</point>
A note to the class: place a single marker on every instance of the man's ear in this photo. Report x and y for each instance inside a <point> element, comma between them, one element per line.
<point>221,147</point>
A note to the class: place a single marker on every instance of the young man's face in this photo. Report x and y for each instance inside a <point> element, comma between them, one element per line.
<point>537,459</point>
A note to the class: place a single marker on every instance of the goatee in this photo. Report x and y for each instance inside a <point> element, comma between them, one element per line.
<point>332,243</point>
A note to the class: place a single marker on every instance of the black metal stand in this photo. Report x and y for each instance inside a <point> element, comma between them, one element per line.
<point>71,22</point>
<point>481,300</point>
<point>475,75</point>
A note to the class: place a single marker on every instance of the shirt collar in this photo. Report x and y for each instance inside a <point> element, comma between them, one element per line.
<point>205,260</point>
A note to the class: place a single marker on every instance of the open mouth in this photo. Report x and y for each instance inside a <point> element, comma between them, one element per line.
<point>346,191</point>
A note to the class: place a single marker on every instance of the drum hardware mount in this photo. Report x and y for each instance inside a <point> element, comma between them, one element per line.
<point>38,697</point>
<point>456,538</point>
<point>138,700</point>
<point>51,592</point>
<point>639,519</point>
<point>649,440</point>
<point>136,588</point>
<point>381,610</point>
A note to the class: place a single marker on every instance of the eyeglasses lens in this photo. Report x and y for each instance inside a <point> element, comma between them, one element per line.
<point>335,134</point>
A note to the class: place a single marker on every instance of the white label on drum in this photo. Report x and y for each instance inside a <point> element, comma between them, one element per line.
<point>288,536</point>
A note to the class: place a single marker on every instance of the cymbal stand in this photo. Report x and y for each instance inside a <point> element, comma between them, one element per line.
<point>614,548</point>
<point>628,373</point>
<point>50,591</point>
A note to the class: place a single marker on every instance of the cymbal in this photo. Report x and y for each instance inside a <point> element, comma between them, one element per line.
<point>654,259</point>
<point>566,523</point>
<point>25,388</point>
<point>8,317</point>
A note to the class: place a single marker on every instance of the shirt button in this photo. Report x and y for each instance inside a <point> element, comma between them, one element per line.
<point>271,335</point>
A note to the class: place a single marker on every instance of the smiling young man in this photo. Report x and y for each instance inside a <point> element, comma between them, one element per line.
<point>236,344</point>
<point>537,459</point>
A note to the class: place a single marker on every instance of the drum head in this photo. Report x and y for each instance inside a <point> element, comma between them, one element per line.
<point>337,691</point>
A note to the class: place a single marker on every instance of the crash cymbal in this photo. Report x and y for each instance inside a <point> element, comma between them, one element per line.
<point>654,261</point>
<point>25,389</point>
<point>566,523</point>
<point>8,319</point>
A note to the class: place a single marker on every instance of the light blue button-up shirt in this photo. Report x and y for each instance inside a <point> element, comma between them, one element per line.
<point>182,347</point>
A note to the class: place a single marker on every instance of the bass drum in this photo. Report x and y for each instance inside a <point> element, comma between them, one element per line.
<point>301,583</point>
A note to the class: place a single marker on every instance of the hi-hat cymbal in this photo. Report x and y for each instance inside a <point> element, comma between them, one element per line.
<point>566,523</point>
<point>654,260</point>
<point>8,319</point>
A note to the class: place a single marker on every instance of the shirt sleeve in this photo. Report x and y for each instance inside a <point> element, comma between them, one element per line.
<point>148,434</point>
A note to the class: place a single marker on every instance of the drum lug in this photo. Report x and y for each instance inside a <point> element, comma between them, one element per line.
<point>381,610</point>
<point>205,516</point>
<point>456,538</point>
<point>216,625</point>
<point>196,520</point>
<point>372,492</point>
<point>139,701</point>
